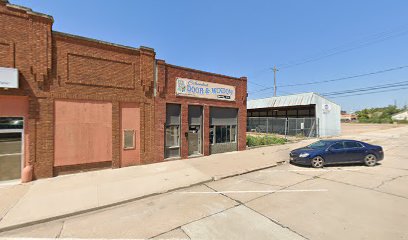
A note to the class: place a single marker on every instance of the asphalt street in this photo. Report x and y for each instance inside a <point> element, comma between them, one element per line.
<point>284,202</point>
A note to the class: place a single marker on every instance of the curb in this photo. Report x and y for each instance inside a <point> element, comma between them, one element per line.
<point>220,177</point>
<point>210,179</point>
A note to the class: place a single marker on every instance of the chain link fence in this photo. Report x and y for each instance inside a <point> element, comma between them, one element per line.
<point>284,126</point>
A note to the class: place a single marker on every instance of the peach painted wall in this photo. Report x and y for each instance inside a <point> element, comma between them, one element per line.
<point>17,106</point>
<point>130,120</point>
<point>83,132</point>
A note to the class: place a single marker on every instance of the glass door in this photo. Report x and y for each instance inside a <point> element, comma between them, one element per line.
<point>194,140</point>
<point>11,148</point>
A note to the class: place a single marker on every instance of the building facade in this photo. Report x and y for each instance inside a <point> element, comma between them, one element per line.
<point>198,122</point>
<point>307,114</point>
<point>69,103</point>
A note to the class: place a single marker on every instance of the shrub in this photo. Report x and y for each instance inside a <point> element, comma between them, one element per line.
<point>253,141</point>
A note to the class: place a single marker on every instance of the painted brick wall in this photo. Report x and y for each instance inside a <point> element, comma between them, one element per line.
<point>166,84</point>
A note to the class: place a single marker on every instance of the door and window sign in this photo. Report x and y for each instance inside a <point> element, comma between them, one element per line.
<point>172,132</point>
<point>11,148</point>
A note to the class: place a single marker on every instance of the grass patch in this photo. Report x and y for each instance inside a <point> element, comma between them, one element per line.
<point>253,141</point>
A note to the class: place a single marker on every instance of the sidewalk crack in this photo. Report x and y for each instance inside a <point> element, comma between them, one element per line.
<point>390,180</point>
<point>21,199</point>
<point>223,194</point>
<point>276,222</point>
<point>60,231</point>
<point>185,233</point>
<point>253,181</point>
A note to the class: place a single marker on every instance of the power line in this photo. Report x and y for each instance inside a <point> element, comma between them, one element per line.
<point>372,39</point>
<point>366,89</point>
<point>376,38</point>
<point>358,94</point>
<point>336,79</point>
<point>349,77</point>
<point>356,90</point>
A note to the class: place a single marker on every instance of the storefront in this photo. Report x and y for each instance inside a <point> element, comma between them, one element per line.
<point>202,113</point>
<point>78,104</point>
<point>13,132</point>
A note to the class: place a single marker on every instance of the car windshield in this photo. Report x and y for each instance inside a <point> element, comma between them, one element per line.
<point>319,144</point>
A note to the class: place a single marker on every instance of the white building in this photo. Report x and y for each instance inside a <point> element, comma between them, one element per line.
<point>400,116</point>
<point>318,113</point>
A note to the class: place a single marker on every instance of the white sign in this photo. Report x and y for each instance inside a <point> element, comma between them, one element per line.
<point>8,78</point>
<point>326,108</point>
<point>199,89</point>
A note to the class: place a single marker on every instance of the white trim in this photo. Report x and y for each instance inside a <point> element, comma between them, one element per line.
<point>22,145</point>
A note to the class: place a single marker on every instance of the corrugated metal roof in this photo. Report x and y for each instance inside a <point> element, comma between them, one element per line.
<point>283,101</point>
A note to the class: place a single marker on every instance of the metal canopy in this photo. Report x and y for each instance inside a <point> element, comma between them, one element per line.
<point>284,101</point>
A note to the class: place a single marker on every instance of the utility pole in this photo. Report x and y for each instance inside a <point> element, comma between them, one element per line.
<point>274,80</point>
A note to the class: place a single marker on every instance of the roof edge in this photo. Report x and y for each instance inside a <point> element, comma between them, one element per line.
<point>201,71</point>
<point>97,41</point>
<point>282,96</point>
<point>309,94</point>
<point>27,10</point>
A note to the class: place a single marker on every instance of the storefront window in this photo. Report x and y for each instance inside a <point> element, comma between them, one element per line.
<point>172,136</point>
<point>211,134</point>
<point>233,133</point>
<point>223,134</point>
<point>172,132</point>
<point>11,123</point>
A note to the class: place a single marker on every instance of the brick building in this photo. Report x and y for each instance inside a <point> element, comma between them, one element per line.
<point>69,103</point>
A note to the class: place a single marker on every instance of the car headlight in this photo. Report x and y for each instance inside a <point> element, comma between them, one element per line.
<point>303,155</point>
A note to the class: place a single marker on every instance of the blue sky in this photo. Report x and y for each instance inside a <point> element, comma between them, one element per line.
<point>246,38</point>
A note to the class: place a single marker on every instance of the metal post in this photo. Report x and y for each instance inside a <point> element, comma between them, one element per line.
<point>286,126</point>
<point>274,80</point>
<point>267,125</point>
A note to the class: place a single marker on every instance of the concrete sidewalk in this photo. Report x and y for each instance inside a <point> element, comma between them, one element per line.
<point>62,196</point>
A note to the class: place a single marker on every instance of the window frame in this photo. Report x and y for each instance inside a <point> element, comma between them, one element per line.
<point>213,128</point>
<point>133,139</point>
<point>178,135</point>
<point>169,149</point>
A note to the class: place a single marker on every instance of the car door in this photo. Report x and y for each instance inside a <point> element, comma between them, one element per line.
<point>335,153</point>
<point>354,151</point>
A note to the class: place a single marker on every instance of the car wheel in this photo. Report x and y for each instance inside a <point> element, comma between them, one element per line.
<point>370,160</point>
<point>317,162</point>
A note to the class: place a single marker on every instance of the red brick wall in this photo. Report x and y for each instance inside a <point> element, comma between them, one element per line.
<point>166,84</point>
<point>55,66</point>
<point>25,40</point>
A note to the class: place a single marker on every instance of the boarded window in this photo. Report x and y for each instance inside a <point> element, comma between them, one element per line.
<point>83,132</point>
